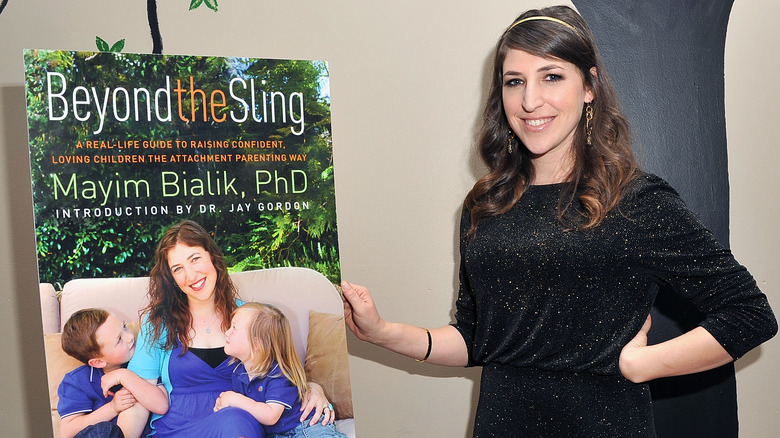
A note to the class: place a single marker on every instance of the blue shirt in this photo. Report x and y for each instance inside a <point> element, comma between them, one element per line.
<point>273,388</point>
<point>151,359</point>
<point>80,392</point>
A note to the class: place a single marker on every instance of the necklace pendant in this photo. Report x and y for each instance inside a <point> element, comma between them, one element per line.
<point>208,330</point>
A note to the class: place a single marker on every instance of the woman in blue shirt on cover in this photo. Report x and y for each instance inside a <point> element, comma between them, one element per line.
<point>182,340</point>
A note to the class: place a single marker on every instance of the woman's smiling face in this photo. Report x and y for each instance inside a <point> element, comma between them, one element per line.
<point>543,101</point>
<point>193,271</point>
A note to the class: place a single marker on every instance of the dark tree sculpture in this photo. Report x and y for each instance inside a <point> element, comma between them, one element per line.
<point>666,59</point>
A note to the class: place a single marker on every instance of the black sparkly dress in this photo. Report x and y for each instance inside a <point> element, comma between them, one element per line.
<point>547,311</point>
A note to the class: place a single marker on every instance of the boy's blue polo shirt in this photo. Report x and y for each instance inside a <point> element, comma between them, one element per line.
<point>80,392</point>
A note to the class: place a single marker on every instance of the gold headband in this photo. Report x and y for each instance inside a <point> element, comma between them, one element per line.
<point>546,18</point>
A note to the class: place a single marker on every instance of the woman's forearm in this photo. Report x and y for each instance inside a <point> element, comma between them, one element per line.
<point>446,343</point>
<point>133,421</point>
<point>152,396</point>
<point>692,352</point>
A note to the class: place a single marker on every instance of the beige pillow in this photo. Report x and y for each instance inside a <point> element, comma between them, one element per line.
<point>327,360</point>
<point>58,363</point>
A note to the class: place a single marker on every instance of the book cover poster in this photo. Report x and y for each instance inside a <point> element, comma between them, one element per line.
<point>123,146</point>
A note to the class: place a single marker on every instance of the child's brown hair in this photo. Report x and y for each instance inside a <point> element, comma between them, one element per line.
<point>270,339</point>
<point>78,334</point>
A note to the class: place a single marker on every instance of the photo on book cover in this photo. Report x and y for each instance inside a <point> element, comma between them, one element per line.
<point>123,147</point>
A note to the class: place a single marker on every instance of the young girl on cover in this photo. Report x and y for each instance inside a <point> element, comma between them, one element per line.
<point>269,382</point>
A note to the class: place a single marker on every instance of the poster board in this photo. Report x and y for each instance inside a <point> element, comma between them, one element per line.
<point>122,146</point>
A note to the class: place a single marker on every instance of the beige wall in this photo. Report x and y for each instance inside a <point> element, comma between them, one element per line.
<point>752,115</point>
<point>406,80</point>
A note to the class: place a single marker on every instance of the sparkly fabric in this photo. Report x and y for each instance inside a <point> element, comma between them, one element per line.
<point>532,403</point>
<point>536,296</point>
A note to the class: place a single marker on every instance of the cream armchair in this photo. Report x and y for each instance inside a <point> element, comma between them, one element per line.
<point>308,299</point>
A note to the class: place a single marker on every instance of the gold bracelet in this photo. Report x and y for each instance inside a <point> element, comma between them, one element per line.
<point>430,343</point>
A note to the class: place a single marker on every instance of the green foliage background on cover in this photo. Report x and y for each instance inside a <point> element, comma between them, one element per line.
<point>123,246</point>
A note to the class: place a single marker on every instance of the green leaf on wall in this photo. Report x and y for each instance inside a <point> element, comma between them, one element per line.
<point>103,46</point>
<point>211,4</point>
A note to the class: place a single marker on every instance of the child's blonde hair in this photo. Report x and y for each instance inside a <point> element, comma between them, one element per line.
<point>270,339</point>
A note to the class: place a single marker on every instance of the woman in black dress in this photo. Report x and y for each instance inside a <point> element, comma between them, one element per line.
<point>563,246</point>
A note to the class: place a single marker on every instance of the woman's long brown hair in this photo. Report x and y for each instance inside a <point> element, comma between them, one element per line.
<point>168,305</point>
<point>600,171</point>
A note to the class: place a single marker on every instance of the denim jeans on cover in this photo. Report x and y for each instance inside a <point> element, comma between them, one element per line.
<point>303,430</point>
<point>105,429</point>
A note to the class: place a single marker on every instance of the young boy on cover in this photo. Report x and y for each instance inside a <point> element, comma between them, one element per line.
<point>92,396</point>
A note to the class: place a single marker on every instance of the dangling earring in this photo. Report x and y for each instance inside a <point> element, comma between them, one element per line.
<point>588,123</point>
<point>509,147</point>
